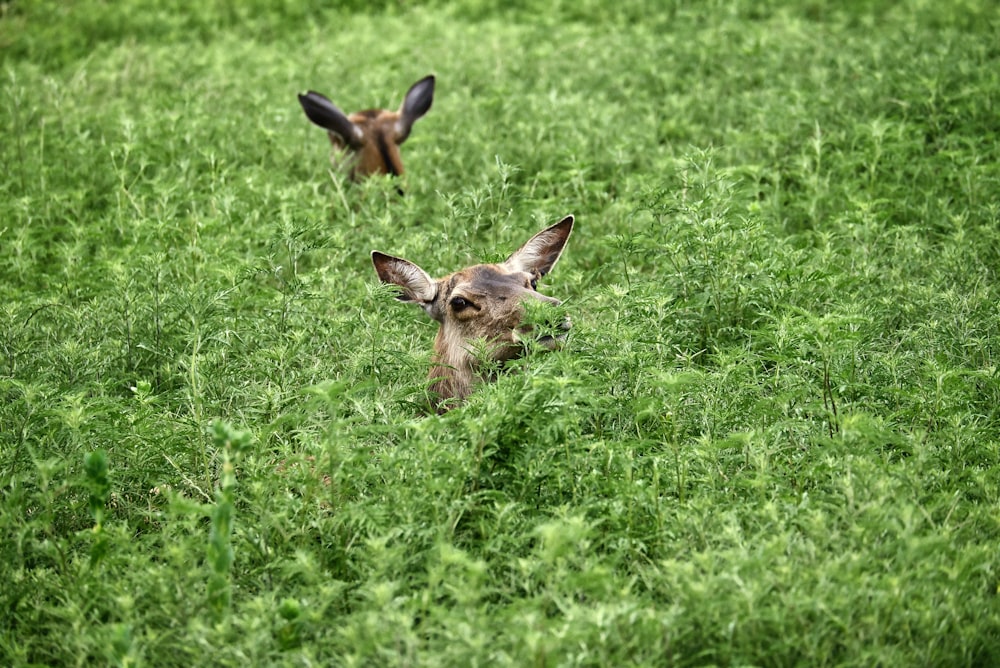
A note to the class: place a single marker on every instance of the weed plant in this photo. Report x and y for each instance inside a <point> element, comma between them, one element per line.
<point>772,439</point>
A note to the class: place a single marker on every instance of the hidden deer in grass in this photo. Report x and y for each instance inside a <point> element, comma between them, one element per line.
<point>367,142</point>
<point>481,310</point>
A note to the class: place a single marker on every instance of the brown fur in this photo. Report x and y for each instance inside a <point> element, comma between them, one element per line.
<point>479,308</point>
<point>367,142</point>
<point>379,128</point>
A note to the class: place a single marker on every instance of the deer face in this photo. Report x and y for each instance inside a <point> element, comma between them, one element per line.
<point>481,309</point>
<point>486,303</point>
<point>367,142</point>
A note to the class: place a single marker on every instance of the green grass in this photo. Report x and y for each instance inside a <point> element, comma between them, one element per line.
<point>773,438</point>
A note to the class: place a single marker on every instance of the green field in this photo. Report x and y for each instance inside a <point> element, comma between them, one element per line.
<point>772,439</point>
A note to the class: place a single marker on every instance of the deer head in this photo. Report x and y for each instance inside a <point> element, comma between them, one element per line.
<point>481,309</point>
<point>370,139</point>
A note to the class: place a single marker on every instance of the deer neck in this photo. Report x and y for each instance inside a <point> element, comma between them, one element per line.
<point>452,370</point>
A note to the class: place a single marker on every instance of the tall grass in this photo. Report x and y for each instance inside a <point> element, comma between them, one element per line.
<point>773,438</point>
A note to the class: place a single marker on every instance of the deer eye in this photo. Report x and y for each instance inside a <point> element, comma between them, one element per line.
<point>459,304</point>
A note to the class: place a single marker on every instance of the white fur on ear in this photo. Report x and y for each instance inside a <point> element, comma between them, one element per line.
<point>417,285</point>
<point>540,254</point>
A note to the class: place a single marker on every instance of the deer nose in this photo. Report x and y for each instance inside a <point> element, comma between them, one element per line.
<point>564,324</point>
<point>558,323</point>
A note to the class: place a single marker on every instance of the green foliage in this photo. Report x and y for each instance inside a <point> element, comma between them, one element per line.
<point>95,465</point>
<point>772,438</point>
<point>230,444</point>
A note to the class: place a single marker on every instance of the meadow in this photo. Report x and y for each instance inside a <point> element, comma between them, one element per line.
<point>773,437</point>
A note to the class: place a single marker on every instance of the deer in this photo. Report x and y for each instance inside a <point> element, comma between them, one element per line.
<point>481,311</point>
<point>367,142</point>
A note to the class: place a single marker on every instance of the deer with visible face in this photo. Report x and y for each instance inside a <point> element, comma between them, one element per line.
<point>480,307</point>
<point>367,142</point>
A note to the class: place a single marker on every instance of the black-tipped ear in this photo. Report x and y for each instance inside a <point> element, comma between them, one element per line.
<point>417,102</point>
<point>540,254</point>
<point>325,114</point>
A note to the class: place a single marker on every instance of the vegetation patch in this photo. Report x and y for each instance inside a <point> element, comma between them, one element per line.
<point>772,437</point>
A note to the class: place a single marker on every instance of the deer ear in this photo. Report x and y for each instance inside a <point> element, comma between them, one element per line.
<point>325,114</point>
<point>416,284</point>
<point>417,102</point>
<point>542,251</point>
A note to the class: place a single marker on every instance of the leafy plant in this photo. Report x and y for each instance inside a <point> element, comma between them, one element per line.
<point>772,436</point>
